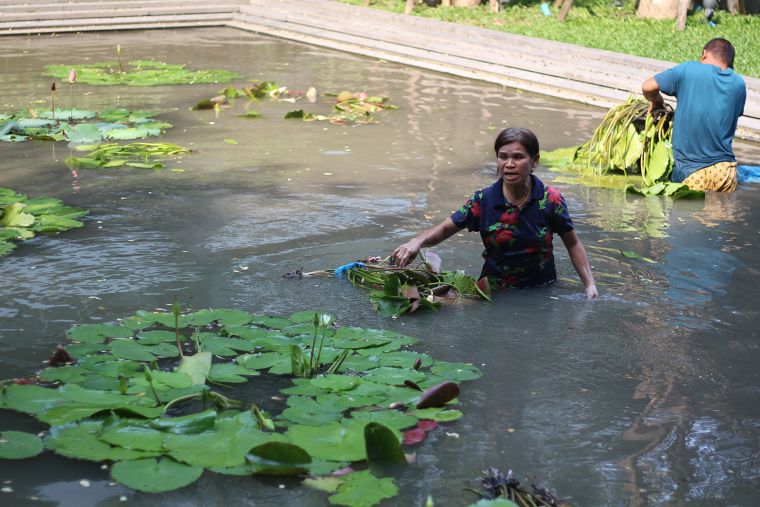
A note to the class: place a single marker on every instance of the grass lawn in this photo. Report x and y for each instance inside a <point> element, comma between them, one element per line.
<point>598,24</point>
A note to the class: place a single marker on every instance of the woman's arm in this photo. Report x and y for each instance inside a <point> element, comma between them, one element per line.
<point>406,253</point>
<point>580,262</point>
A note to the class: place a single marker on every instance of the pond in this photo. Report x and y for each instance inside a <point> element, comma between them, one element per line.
<point>647,396</point>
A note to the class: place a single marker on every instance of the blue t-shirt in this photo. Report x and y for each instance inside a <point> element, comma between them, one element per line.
<point>710,101</point>
<point>518,242</point>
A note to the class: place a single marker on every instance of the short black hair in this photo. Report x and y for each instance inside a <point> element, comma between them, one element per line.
<point>723,50</point>
<point>525,137</point>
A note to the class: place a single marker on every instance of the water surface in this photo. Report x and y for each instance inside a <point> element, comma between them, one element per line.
<point>648,396</point>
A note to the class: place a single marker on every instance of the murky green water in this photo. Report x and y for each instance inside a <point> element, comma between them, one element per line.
<point>648,396</point>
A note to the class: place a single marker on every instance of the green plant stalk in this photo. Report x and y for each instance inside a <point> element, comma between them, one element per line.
<point>338,362</point>
<point>176,312</point>
<point>313,345</point>
<point>321,342</point>
<point>118,58</point>
<point>149,378</point>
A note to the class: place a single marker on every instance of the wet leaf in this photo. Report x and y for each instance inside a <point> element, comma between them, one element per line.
<point>97,333</point>
<point>232,373</point>
<point>19,445</point>
<point>154,476</point>
<point>414,436</point>
<point>362,489</point>
<point>394,376</point>
<point>307,411</point>
<point>438,414</point>
<point>326,484</point>
<point>456,372</point>
<point>278,458</point>
<point>80,441</point>
<point>630,254</point>
<point>335,382</point>
<point>197,367</point>
<point>332,442</point>
<point>382,444</point>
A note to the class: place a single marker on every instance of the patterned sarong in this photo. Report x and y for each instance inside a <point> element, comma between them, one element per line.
<point>720,177</point>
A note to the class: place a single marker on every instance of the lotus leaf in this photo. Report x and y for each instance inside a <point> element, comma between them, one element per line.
<point>348,399</point>
<point>391,418</point>
<point>383,445</point>
<point>222,346</point>
<point>335,382</point>
<point>456,372</point>
<point>133,436</point>
<point>394,376</point>
<point>14,216</point>
<point>357,338</point>
<point>131,349</point>
<point>403,359</point>
<point>303,410</point>
<point>197,367</point>
<point>66,374</point>
<point>222,316</point>
<point>224,447</point>
<point>270,322</point>
<point>437,414</point>
<point>84,349</point>
<point>307,316</point>
<point>326,484</point>
<point>278,458</point>
<point>246,332</point>
<point>83,133</point>
<point>264,360</point>
<point>154,476</point>
<point>155,337</point>
<point>19,445</point>
<point>362,489</point>
<point>97,333</point>
<point>232,373</point>
<point>335,441</point>
<point>29,399</point>
<point>80,440</point>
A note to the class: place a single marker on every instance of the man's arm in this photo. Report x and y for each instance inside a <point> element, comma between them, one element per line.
<point>651,91</point>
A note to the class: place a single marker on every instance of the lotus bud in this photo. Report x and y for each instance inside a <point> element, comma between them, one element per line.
<point>417,364</point>
<point>72,76</point>
<point>316,320</point>
<point>52,87</point>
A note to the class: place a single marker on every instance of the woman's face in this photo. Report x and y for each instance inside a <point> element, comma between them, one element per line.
<point>515,163</point>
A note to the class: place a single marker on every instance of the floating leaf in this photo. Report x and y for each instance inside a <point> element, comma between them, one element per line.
<point>278,458</point>
<point>326,484</point>
<point>630,254</point>
<point>154,476</point>
<point>233,373</point>
<point>362,489</point>
<point>394,376</point>
<point>438,414</point>
<point>80,441</point>
<point>19,445</point>
<point>331,442</point>
<point>335,382</point>
<point>456,372</point>
<point>303,410</point>
<point>97,333</point>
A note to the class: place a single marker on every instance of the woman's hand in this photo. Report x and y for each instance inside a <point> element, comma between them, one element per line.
<point>591,292</point>
<point>406,253</point>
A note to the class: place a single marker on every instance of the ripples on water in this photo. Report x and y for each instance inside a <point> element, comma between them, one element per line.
<point>647,396</point>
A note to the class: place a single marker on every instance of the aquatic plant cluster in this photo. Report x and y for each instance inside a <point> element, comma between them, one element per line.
<point>79,126</point>
<point>139,394</point>
<point>139,73</point>
<point>22,218</point>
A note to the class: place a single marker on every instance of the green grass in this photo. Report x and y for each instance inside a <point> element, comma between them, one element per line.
<point>597,24</point>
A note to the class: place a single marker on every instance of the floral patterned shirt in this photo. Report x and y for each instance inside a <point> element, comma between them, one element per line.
<point>518,242</point>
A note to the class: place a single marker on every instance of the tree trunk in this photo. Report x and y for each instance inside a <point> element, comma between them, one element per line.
<point>565,9</point>
<point>658,9</point>
<point>494,5</point>
<point>683,10</point>
<point>409,7</point>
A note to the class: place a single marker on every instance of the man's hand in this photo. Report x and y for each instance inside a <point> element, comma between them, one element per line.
<point>651,91</point>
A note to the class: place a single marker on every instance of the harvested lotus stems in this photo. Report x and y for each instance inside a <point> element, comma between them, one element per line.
<point>395,291</point>
<point>627,142</point>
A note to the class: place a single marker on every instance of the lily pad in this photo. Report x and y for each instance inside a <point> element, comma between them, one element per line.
<point>362,489</point>
<point>154,476</point>
<point>278,458</point>
<point>394,376</point>
<point>331,442</point>
<point>456,372</point>
<point>19,445</point>
<point>97,333</point>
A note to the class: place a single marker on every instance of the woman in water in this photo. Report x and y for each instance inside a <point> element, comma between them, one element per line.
<point>516,217</point>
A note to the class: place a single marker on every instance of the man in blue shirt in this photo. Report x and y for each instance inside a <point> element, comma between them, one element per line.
<point>710,98</point>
